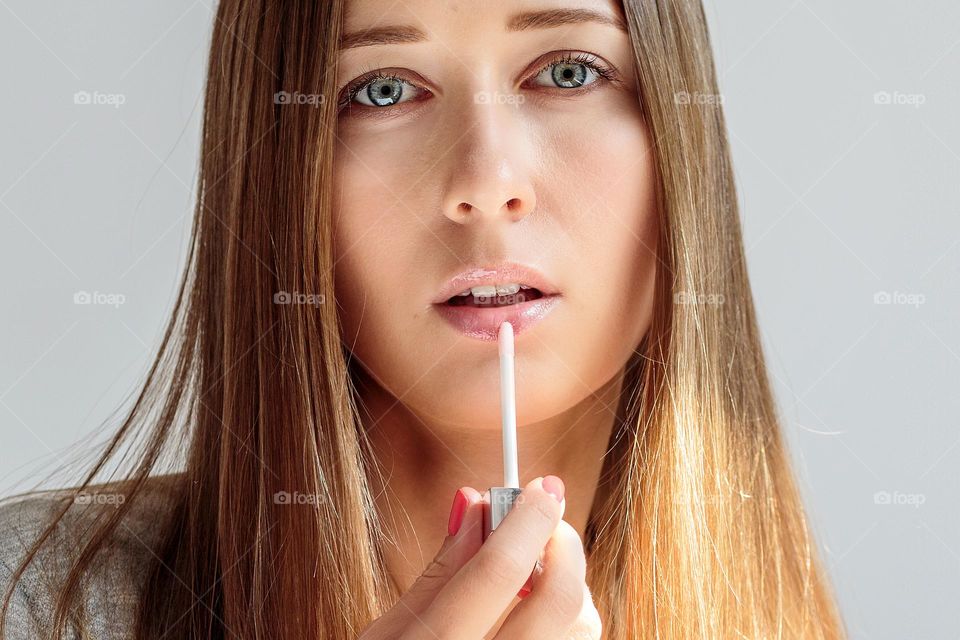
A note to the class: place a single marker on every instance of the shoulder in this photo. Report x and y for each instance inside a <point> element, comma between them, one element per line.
<point>114,582</point>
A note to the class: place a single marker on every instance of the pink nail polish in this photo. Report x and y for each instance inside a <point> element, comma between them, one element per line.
<point>526,588</point>
<point>554,486</point>
<point>457,510</point>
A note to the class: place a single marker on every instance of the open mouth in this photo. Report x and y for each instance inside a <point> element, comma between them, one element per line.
<point>478,300</point>
<point>493,297</point>
<point>479,311</point>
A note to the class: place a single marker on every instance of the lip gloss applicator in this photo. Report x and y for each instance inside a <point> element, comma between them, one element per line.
<point>503,498</point>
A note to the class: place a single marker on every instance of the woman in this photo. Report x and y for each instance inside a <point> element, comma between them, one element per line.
<point>323,387</point>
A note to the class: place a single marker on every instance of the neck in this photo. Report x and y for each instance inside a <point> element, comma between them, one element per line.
<point>423,464</point>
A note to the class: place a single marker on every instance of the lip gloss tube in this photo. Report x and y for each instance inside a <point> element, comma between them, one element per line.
<point>503,498</point>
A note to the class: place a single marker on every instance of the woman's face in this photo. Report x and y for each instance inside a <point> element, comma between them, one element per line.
<point>498,135</point>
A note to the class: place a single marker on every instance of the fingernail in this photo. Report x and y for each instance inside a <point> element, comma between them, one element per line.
<point>457,510</point>
<point>554,486</point>
<point>526,588</point>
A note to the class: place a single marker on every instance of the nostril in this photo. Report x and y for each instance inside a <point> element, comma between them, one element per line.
<point>513,205</point>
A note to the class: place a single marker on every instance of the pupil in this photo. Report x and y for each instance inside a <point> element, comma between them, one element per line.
<point>570,75</point>
<point>385,92</point>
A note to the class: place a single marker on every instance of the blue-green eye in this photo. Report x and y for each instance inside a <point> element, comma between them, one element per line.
<point>384,92</point>
<point>381,89</point>
<point>571,75</point>
<point>381,92</point>
<point>573,72</point>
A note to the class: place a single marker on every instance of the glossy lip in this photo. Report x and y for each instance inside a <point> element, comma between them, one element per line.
<point>497,274</point>
<point>483,323</point>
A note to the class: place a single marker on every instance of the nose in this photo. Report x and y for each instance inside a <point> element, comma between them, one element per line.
<point>489,176</point>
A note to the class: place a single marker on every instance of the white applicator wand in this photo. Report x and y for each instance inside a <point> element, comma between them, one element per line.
<point>503,498</point>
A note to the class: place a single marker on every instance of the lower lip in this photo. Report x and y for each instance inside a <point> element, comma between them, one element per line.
<point>483,323</point>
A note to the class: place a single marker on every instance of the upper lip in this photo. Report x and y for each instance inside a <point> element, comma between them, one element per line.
<point>501,273</point>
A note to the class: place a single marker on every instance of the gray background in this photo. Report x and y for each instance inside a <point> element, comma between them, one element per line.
<point>846,145</point>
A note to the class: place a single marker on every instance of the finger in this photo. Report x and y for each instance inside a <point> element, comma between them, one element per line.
<point>475,598</point>
<point>588,625</point>
<point>560,601</point>
<point>455,551</point>
<point>528,585</point>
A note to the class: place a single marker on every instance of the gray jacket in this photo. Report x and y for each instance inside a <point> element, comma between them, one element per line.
<point>112,592</point>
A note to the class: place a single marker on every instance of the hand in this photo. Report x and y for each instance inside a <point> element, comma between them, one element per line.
<point>464,591</point>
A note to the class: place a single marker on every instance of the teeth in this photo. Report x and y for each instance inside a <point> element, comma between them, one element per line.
<point>489,290</point>
<point>484,291</point>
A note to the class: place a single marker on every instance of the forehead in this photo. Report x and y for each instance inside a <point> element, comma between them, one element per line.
<point>419,19</point>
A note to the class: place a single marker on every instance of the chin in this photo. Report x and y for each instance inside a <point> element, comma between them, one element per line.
<point>469,400</point>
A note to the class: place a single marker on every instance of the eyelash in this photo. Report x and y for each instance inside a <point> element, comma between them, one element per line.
<point>605,73</point>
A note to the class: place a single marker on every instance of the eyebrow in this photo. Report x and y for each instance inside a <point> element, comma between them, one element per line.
<point>545,19</point>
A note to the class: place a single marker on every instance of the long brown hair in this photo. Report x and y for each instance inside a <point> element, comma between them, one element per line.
<point>699,531</point>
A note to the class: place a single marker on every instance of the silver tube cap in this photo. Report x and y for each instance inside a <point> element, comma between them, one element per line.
<point>502,500</point>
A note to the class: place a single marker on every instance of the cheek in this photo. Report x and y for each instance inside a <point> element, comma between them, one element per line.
<point>609,211</point>
<point>363,216</point>
<point>378,246</point>
<point>624,227</point>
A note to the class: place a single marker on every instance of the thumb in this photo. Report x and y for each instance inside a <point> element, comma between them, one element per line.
<point>464,538</point>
